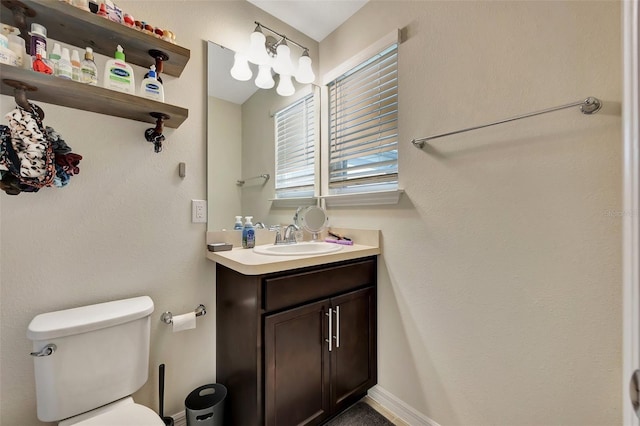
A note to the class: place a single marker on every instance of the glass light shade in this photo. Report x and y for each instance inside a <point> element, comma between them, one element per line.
<point>264,80</point>
<point>285,86</point>
<point>282,64</point>
<point>305,74</point>
<point>257,51</point>
<point>240,70</point>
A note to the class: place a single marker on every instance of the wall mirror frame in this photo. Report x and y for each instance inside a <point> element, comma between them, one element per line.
<point>241,145</point>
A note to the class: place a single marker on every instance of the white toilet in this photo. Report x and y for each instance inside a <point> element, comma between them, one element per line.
<point>89,360</point>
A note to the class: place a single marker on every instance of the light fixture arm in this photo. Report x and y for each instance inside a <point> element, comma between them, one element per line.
<point>282,36</point>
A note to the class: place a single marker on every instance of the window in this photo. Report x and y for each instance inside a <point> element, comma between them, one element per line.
<point>295,149</point>
<point>363,126</point>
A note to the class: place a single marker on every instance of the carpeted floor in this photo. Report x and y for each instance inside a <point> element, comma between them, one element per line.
<point>361,414</point>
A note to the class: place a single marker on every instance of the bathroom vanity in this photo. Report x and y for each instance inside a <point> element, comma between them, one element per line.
<point>296,346</point>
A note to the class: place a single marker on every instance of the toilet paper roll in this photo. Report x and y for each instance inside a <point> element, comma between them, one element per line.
<point>184,322</point>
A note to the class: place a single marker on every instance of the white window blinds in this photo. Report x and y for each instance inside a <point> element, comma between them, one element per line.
<point>295,149</point>
<point>363,126</point>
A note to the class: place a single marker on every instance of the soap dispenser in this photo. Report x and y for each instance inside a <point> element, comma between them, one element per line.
<point>238,224</point>
<point>65,69</point>
<point>248,233</point>
<point>151,88</point>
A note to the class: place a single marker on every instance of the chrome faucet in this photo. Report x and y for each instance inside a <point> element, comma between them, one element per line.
<point>259,225</point>
<point>288,236</point>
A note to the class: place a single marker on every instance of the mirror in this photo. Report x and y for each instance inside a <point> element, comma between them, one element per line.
<point>241,145</point>
<point>312,219</point>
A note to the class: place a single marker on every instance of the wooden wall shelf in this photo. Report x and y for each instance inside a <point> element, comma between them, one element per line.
<point>79,28</point>
<point>68,93</point>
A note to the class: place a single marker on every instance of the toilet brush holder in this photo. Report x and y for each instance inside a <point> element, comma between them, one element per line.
<point>168,421</point>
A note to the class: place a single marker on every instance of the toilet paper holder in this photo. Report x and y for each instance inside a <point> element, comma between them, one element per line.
<point>167,317</point>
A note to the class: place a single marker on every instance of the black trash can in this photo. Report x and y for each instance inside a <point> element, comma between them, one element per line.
<point>205,405</point>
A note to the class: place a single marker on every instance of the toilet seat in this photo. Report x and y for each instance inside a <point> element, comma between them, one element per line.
<point>122,413</point>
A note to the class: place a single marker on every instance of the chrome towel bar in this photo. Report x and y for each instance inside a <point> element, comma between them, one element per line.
<point>588,106</point>
<point>264,176</point>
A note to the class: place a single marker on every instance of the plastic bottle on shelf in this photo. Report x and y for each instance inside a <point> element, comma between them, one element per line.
<point>248,233</point>
<point>88,69</point>
<point>75,65</point>
<point>7,56</point>
<point>102,11</point>
<point>17,46</point>
<point>151,88</point>
<point>42,65</point>
<point>38,40</point>
<point>82,4</point>
<point>118,75</point>
<point>94,6</point>
<point>54,57</point>
<point>65,70</point>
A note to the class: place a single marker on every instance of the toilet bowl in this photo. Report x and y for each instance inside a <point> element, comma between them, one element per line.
<point>89,360</point>
<point>123,412</point>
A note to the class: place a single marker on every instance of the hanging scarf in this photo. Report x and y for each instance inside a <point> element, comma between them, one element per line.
<point>33,156</point>
<point>34,151</point>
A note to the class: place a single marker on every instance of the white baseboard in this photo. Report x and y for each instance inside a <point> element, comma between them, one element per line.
<point>398,407</point>
<point>179,419</point>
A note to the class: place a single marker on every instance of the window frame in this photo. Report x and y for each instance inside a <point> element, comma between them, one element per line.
<point>363,194</point>
<point>284,195</point>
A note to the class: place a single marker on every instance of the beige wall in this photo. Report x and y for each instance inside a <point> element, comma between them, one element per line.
<point>224,162</point>
<point>499,298</point>
<point>258,152</point>
<point>499,295</point>
<point>123,226</point>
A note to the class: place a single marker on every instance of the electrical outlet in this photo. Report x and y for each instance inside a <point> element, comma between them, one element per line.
<point>198,211</point>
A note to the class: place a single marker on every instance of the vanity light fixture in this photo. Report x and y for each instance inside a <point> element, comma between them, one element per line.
<point>270,54</point>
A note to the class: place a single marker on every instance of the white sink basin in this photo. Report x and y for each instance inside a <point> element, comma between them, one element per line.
<point>298,249</point>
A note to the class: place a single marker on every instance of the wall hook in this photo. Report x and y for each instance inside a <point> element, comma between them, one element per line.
<point>154,134</point>
<point>20,95</point>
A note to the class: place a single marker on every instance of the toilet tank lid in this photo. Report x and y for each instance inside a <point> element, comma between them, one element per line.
<point>88,318</point>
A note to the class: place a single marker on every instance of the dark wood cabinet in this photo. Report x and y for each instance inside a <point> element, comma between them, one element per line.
<point>353,362</point>
<point>296,348</point>
<point>297,369</point>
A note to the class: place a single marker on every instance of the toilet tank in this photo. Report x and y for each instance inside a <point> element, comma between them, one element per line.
<point>101,355</point>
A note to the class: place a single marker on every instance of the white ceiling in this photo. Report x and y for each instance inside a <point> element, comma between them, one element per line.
<point>315,18</point>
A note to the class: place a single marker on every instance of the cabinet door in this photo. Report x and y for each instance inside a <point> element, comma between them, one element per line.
<point>353,362</point>
<point>297,366</point>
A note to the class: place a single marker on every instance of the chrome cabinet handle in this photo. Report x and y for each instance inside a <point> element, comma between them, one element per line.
<point>634,391</point>
<point>330,315</point>
<point>46,351</point>
<point>337,336</point>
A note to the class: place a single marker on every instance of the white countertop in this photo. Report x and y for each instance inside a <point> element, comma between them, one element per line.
<point>247,262</point>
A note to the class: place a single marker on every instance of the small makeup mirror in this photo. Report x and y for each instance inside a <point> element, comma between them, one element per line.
<point>312,219</point>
